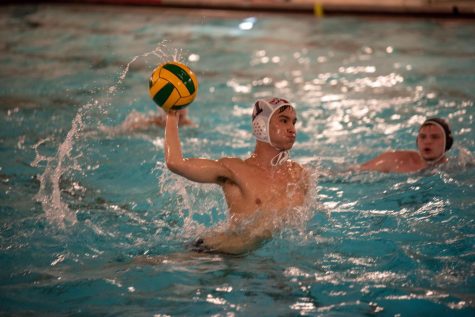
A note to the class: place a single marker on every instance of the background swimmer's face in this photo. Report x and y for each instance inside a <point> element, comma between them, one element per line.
<point>431,142</point>
<point>282,128</point>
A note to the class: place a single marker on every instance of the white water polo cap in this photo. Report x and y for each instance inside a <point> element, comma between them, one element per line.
<point>261,115</point>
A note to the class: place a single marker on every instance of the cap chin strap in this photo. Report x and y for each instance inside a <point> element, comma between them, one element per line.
<point>280,158</point>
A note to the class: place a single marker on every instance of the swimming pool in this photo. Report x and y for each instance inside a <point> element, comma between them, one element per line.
<point>82,196</point>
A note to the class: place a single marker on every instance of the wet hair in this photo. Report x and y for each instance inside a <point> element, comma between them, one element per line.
<point>285,107</point>
<point>449,140</point>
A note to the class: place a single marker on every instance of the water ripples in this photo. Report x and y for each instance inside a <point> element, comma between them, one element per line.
<point>93,215</point>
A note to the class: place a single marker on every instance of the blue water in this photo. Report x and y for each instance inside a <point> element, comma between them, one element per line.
<point>84,196</point>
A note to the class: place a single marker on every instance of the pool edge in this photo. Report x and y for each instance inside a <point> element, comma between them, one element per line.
<point>421,8</point>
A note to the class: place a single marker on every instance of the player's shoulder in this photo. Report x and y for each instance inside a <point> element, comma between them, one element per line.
<point>228,161</point>
<point>399,155</point>
<point>296,168</point>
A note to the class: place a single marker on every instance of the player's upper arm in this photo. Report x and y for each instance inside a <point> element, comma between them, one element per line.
<point>201,170</point>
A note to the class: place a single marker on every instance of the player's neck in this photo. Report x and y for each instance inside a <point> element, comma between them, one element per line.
<point>441,160</point>
<point>432,163</point>
<point>264,154</point>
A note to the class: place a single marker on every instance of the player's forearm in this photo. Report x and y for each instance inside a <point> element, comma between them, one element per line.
<point>173,154</point>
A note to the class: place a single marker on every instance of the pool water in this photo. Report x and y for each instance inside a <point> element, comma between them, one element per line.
<point>84,197</point>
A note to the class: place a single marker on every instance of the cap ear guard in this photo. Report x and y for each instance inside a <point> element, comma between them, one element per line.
<point>259,128</point>
<point>449,141</point>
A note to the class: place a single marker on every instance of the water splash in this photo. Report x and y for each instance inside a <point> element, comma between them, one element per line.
<point>190,200</point>
<point>160,51</point>
<point>50,193</point>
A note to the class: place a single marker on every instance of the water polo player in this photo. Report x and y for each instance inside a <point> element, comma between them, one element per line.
<point>265,186</point>
<point>433,140</point>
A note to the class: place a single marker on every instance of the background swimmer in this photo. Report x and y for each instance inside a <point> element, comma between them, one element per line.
<point>433,140</point>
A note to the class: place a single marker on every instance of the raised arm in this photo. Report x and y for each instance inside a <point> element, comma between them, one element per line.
<point>195,169</point>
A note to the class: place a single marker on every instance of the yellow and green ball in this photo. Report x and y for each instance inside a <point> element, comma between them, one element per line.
<point>173,85</point>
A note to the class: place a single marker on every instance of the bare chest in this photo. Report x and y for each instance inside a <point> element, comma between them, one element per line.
<point>265,191</point>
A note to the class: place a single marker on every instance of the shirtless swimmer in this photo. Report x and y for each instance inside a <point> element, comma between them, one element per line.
<point>266,183</point>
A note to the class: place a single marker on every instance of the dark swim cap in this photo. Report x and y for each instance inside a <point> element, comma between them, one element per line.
<point>449,140</point>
